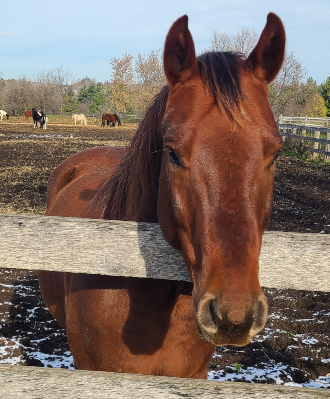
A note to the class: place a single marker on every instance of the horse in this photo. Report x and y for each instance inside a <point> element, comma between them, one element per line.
<point>80,117</point>
<point>27,114</point>
<point>201,164</point>
<point>111,119</point>
<point>46,120</point>
<point>39,117</point>
<point>2,114</point>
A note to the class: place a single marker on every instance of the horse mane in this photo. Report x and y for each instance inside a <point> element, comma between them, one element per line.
<point>135,182</point>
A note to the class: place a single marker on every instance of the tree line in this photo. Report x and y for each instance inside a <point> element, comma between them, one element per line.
<point>133,83</point>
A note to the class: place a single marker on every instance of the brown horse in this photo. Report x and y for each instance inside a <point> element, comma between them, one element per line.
<point>111,119</point>
<point>201,164</point>
<point>27,114</point>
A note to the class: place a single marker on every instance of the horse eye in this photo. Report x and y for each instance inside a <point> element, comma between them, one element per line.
<point>173,157</point>
<point>276,156</point>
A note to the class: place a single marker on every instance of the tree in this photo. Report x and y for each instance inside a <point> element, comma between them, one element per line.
<point>243,41</point>
<point>121,81</point>
<point>94,96</point>
<point>150,78</point>
<point>325,93</point>
<point>70,102</point>
<point>16,96</point>
<point>316,107</point>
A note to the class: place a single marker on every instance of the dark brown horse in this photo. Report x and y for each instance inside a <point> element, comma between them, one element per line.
<point>201,164</point>
<point>111,119</point>
<point>27,114</point>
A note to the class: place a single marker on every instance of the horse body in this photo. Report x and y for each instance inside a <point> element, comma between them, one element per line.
<point>39,117</point>
<point>27,114</point>
<point>111,119</point>
<point>201,165</point>
<point>79,118</point>
<point>2,114</point>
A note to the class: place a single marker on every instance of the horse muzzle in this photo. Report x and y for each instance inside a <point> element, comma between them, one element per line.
<point>228,323</point>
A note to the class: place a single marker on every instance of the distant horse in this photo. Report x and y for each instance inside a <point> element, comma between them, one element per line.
<point>209,186</point>
<point>27,114</point>
<point>39,117</point>
<point>111,120</point>
<point>46,122</point>
<point>79,118</point>
<point>2,114</point>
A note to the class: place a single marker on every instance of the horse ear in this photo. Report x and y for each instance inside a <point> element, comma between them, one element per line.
<point>267,57</point>
<point>179,53</point>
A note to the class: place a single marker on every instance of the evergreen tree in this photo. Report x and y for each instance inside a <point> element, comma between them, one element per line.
<point>92,95</point>
<point>70,103</point>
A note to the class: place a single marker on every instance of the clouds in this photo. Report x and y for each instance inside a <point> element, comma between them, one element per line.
<point>8,33</point>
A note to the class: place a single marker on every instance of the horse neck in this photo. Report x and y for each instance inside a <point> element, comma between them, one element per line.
<point>132,192</point>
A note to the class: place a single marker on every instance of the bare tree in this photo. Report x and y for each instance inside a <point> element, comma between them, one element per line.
<point>242,42</point>
<point>150,79</point>
<point>17,95</point>
<point>121,81</point>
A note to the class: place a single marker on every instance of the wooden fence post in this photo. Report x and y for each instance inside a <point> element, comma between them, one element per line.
<point>316,144</point>
<point>327,148</point>
<point>284,131</point>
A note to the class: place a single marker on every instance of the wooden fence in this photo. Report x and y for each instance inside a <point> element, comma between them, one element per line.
<point>288,260</point>
<point>309,134</point>
<point>305,120</point>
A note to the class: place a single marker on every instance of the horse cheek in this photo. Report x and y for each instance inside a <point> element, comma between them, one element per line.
<point>166,217</point>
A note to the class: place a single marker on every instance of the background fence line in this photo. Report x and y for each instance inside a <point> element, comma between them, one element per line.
<point>305,120</point>
<point>308,134</point>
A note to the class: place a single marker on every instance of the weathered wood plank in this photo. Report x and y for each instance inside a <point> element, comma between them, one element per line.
<point>288,260</point>
<point>33,382</point>
<point>304,138</point>
<point>299,127</point>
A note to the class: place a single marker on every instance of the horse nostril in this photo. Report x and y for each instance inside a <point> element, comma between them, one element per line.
<point>213,313</point>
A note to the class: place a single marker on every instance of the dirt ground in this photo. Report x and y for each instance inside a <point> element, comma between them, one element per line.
<point>295,345</point>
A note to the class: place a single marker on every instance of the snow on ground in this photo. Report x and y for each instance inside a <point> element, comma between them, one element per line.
<point>36,346</point>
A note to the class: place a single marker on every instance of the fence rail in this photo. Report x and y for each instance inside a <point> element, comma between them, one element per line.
<point>288,260</point>
<point>305,120</point>
<point>129,249</point>
<point>36,382</point>
<point>290,130</point>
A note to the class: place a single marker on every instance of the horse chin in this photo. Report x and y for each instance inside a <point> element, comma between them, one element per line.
<point>225,338</point>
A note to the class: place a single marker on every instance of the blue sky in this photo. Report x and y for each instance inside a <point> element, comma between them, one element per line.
<point>84,35</point>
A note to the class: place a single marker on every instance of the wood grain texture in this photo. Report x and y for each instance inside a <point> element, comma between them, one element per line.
<point>288,260</point>
<point>34,382</point>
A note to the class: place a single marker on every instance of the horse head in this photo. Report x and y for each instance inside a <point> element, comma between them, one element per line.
<point>217,172</point>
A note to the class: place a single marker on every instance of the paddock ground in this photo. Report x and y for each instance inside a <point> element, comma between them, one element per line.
<point>294,348</point>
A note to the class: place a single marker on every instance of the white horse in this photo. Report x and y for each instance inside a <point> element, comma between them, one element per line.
<point>44,126</point>
<point>79,117</point>
<point>3,113</point>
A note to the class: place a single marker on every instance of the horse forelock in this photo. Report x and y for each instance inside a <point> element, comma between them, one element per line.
<point>219,72</point>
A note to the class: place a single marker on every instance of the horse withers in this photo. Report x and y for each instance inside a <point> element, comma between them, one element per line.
<point>111,120</point>
<point>2,114</point>
<point>201,164</point>
<point>79,118</point>
<point>39,117</point>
